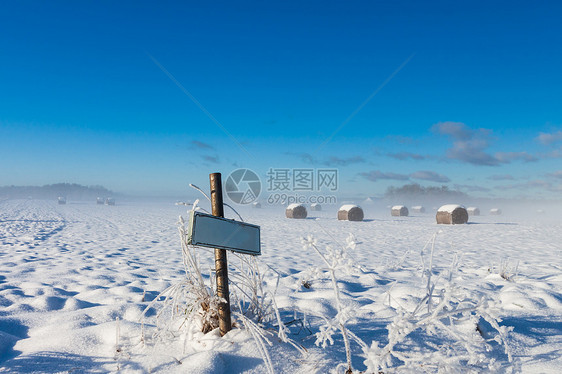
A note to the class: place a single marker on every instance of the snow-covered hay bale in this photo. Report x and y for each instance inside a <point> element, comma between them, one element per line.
<point>256,204</point>
<point>418,209</point>
<point>452,214</point>
<point>296,211</point>
<point>316,207</point>
<point>61,200</point>
<point>473,211</point>
<point>399,211</point>
<point>350,212</point>
<point>495,212</point>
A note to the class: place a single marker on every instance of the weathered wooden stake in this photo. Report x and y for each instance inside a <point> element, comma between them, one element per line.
<point>221,264</point>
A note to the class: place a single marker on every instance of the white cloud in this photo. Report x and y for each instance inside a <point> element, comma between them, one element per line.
<point>507,157</point>
<point>426,175</point>
<point>337,161</point>
<point>201,145</point>
<point>470,146</point>
<point>211,159</point>
<point>407,155</point>
<point>471,188</point>
<point>504,177</point>
<point>556,174</point>
<point>430,176</point>
<point>538,183</point>
<point>549,138</point>
<point>375,175</point>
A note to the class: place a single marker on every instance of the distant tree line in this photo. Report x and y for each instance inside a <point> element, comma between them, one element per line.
<point>416,190</point>
<point>71,191</point>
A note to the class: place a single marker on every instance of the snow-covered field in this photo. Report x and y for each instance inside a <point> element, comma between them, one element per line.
<point>75,279</point>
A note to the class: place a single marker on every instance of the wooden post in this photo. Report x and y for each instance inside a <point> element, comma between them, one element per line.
<point>221,264</point>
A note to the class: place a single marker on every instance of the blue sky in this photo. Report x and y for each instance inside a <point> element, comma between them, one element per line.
<point>144,97</point>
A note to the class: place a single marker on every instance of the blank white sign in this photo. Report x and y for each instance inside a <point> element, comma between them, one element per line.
<point>210,231</point>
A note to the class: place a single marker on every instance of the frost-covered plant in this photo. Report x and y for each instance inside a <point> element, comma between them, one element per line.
<point>194,299</point>
<point>192,304</point>
<point>336,260</point>
<point>449,329</point>
<point>447,314</point>
<point>508,271</point>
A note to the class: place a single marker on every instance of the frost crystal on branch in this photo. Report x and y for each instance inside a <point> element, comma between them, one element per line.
<point>335,259</point>
<point>192,304</point>
<point>446,313</point>
<point>440,332</point>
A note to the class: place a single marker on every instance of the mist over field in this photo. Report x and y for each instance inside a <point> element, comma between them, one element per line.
<point>70,191</point>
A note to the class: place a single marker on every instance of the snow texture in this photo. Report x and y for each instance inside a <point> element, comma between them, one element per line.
<point>449,208</point>
<point>377,295</point>
<point>348,207</point>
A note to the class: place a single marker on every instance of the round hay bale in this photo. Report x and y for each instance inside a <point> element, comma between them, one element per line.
<point>256,204</point>
<point>452,214</point>
<point>296,211</point>
<point>495,212</point>
<point>350,212</point>
<point>418,209</point>
<point>316,207</point>
<point>399,211</point>
<point>473,211</point>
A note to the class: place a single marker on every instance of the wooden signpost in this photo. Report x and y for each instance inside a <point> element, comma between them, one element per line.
<point>222,234</point>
